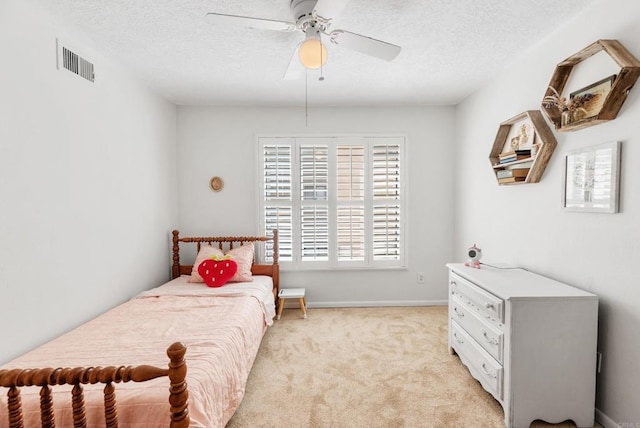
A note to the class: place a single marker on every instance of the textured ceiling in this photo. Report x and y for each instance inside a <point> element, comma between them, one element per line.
<point>449,48</point>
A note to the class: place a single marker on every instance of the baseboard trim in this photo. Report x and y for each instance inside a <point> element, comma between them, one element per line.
<point>377,303</point>
<point>605,420</point>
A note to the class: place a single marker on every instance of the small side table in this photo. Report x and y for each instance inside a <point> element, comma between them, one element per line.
<point>292,293</point>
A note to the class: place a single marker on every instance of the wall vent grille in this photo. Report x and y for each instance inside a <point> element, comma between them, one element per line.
<point>75,63</point>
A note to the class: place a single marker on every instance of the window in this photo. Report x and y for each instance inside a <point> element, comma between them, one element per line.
<point>337,202</point>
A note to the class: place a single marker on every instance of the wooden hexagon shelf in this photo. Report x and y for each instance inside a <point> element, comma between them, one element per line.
<point>621,85</point>
<point>541,143</point>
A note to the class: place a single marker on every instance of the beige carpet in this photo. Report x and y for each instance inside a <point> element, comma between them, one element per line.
<point>363,367</point>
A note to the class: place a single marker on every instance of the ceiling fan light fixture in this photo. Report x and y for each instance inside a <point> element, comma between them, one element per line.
<point>314,18</point>
<point>312,53</point>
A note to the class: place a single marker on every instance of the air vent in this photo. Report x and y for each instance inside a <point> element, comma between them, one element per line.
<point>74,63</point>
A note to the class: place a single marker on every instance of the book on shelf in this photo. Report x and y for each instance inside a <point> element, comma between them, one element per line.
<point>521,165</point>
<point>513,158</point>
<point>520,152</point>
<point>507,173</point>
<point>511,179</point>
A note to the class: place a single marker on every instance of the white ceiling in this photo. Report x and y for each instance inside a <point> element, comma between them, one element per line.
<point>449,48</point>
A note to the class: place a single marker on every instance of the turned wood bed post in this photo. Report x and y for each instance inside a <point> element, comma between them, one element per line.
<point>15,408</point>
<point>41,379</point>
<point>175,266</point>
<point>276,251</point>
<point>275,276</point>
<point>77,405</point>
<point>179,394</point>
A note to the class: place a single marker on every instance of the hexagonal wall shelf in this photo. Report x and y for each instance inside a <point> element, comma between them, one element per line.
<point>531,142</point>
<point>620,86</point>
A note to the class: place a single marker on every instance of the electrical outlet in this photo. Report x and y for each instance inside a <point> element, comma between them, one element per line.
<point>599,362</point>
<point>420,278</point>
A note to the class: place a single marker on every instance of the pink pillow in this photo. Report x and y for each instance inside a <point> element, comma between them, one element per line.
<point>243,256</point>
<point>206,252</point>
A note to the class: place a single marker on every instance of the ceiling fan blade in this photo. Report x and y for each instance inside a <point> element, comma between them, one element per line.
<point>328,9</point>
<point>364,44</point>
<point>295,68</point>
<point>255,23</point>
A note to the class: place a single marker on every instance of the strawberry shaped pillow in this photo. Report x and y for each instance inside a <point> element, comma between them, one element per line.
<point>216,272</point>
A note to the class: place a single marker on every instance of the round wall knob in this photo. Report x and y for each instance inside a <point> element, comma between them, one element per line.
<point>216,184</point>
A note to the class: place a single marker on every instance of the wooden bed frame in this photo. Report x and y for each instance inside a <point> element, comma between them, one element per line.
<point>14,379</point>
<point>227,243</point>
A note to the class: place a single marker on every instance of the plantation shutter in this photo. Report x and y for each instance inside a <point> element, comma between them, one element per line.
<point>386,202</point>
<point>337,202</point>
<point>350,213</point>
<point>314,209</point>
<point>278,193</point>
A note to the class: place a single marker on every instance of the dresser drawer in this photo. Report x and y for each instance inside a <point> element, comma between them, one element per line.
<point>484,303</point>
<point>488,336</point>
<point>481,365</point>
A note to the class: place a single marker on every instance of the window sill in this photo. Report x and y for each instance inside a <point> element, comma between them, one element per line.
<point>284,268</point>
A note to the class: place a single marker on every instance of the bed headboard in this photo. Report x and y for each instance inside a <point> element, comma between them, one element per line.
<point>226,243</point>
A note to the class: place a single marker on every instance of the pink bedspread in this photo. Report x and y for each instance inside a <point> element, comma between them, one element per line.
<point>222,335</point>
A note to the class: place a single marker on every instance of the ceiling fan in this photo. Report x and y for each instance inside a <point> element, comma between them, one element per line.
<point>314,18</point>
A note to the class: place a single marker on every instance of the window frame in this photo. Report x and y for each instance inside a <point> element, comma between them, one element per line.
<point>296,203</point>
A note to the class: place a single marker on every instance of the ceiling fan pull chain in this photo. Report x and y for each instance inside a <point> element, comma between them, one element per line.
<point>321,78</point>
<point>306,98</point>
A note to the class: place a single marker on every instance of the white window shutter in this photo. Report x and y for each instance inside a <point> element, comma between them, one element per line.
<point>351,233</point>
<point>279,218</point>
<point>314,195</point>
<point>277,172</point>
<point>386,188</point>
<point>278,192</point>
<point>350,166</point>
<point>350,199</point>
<point>314,172</point>
<point>386,232</point>
<point>386,171</point>
<point>337,202</point>
<point>314,233</point>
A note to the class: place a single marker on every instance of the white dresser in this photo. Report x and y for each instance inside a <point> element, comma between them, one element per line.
<point>529,340</point>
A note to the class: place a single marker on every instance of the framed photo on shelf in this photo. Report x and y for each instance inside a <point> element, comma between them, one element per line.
<point>592,179</point>
<point>591,98</point>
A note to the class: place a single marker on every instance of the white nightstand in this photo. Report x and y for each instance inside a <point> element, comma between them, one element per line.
<point>292,293</point>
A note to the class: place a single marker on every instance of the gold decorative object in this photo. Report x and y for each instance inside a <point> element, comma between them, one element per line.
<point>216,184</point>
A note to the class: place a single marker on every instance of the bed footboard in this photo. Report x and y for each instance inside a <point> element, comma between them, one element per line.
<point>14,379</point>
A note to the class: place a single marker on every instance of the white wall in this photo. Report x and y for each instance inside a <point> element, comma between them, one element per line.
<point>88,187</point>
<point>87,184</point>
<point>222,141</point>
<point>526,225</point>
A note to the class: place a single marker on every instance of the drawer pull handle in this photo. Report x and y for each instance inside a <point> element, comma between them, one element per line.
<point>491,340</point>
<point>488,305</point>
<point>459,313</point>
<point>457,338</point>
<point>493,374</point>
